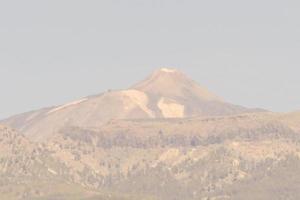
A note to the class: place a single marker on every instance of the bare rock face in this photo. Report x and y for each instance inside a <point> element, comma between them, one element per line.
<point>167,93</point>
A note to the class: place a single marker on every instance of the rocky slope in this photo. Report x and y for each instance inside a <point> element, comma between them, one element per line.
<point>167,93</point>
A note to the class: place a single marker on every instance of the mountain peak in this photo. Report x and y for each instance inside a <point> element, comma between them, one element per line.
<point>168,73</point>
<point>172,83</point>
<point>168,70</point>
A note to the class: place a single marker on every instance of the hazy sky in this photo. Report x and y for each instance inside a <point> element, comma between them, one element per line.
<point>54,51</point>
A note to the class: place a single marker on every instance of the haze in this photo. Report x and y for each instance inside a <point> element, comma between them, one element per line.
<point>52,52</point>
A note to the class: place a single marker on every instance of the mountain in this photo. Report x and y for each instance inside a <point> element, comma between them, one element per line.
<point>167,93</point>
<point>171,83</point>
<point>173,95</point>
<point>165,138</point>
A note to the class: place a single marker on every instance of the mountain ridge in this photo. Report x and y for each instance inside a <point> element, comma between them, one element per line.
<point>166,93</point>
<point>141,144</point>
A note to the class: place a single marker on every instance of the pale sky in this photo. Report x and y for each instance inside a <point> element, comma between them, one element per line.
<point>55,51</point>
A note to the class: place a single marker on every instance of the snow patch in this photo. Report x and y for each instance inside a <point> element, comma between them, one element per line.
<point>52,171</point>
<point>171,110</point>
<point>140,99</point>
<point>67,105</point>
<point>168,70</point>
